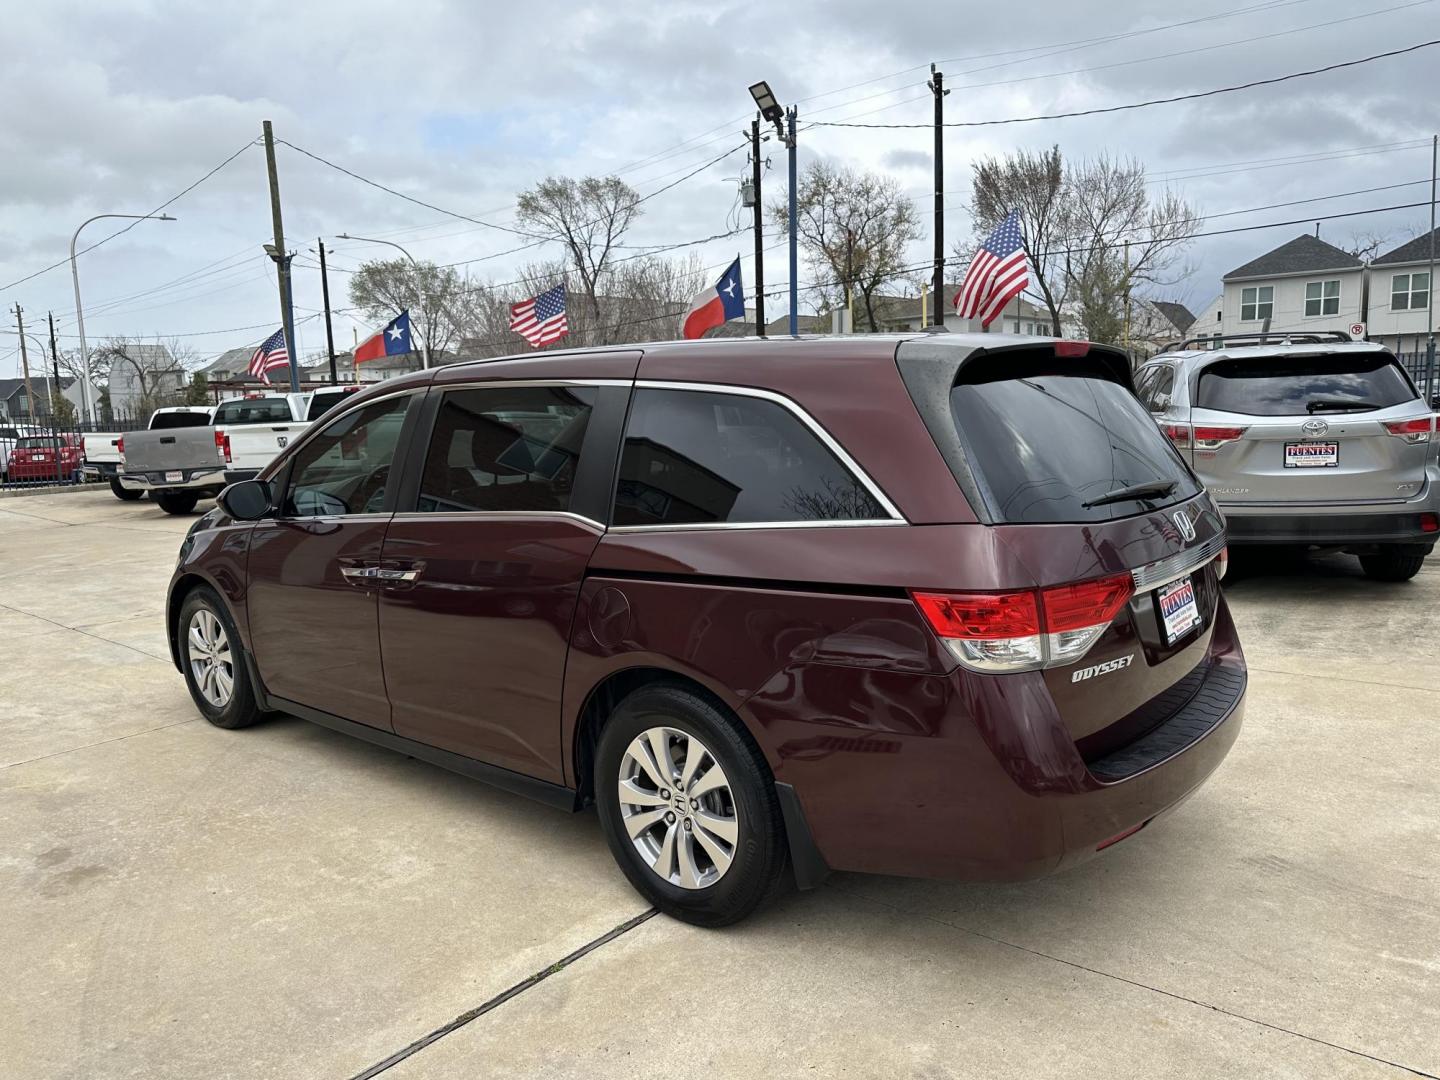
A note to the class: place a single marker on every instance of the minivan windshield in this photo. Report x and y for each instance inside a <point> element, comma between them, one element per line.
<point>1290,385</point>
<point>1065,448</point>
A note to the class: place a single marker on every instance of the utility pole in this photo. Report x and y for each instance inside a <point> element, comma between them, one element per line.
<point>759,228</point>
<point>25,365</point>
<point>54,362</point>
<point>282,260</point>
<point>791,114</point>
<point>937,285</point>
<point>325,292</point>
<point>1430,306</point>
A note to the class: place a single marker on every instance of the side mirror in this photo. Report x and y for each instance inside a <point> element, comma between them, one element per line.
<point>249,500</point>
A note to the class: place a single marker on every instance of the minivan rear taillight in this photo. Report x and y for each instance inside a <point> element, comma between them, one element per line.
<point>1412,431</point>
<point>1029,629</point>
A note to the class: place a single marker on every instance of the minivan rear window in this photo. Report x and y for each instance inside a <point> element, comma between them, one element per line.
<point>1051,447</point>
<point>1298,385</point>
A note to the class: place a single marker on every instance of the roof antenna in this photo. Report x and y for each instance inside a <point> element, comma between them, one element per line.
<point>1317,230</point>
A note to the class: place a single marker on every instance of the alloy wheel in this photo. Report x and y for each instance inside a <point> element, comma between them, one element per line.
<point>210,658</point>
<point>677,807</point>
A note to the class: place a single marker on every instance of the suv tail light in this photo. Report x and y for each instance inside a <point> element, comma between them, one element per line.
<point>1211,438</point>
<point>1029,629</point>
<point>1412,431</point>
<point>1179,434</point>
<point>222,444</point>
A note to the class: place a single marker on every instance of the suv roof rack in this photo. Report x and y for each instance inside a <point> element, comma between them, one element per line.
<point>1299,337</point>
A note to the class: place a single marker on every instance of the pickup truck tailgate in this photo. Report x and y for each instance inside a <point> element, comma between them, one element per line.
<point>176,448</point>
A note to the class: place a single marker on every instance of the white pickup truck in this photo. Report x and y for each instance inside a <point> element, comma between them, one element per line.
<point>251,431</point>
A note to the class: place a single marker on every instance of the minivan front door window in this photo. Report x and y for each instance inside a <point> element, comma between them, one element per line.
<point>344,469</point>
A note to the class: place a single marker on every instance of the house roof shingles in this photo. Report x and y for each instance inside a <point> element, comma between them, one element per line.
<point>1178,314</point>
<point>1412,251</point>
<point>1305,254</point>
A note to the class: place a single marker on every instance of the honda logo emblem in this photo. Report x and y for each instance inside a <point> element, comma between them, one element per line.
<point>1183,523</point>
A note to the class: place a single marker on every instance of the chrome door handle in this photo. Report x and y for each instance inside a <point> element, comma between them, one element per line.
<point>396,575</point>
<point>359,573</point>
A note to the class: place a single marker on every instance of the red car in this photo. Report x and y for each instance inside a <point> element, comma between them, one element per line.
<point>942,605</point>
<point>46,457</point>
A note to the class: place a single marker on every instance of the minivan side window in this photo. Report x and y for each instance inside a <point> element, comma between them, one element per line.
<point>506,448</point>
<point>705,457</point>
<point>345,468</point>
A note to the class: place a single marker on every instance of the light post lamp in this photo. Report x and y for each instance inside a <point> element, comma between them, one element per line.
<point>772,111</point>
<point>424,338</point>
<point>80,314</point>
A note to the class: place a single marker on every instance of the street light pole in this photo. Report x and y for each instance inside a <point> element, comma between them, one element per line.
<point>79,312</point>
<point>791,114</point>
<point>424,338</point>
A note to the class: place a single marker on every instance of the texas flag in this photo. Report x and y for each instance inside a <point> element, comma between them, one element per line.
<point>721,302</point>
<point>392,341</point>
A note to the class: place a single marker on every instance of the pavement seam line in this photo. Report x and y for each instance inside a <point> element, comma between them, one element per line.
<point>86,633</point>
<point>1140,985</point>
<point>1344,678</point>
<point>102,742</point>
<point>504,996</point>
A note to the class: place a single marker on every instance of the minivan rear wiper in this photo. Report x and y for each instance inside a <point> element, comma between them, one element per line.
<point>1153,489</point>
<point>1316,404</point>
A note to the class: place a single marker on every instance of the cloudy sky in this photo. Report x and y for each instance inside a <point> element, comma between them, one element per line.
<point>116,106</point>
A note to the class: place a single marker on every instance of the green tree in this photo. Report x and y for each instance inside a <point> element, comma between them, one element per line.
<point>198,392</point>
<point>432,294</point>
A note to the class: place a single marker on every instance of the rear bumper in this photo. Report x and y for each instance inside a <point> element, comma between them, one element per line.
<point>1319,527</point>
<point>101,470</point>
<point>976,778</point>
<point>205,479</point>
<point>40,470</point>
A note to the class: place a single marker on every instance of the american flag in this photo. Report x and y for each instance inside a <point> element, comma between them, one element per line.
<point>271,354</point>
<point>997,273</point>
<point>541,319</point>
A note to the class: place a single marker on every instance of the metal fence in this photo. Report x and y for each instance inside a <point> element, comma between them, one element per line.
<point>44,453</point>
<point>1418,365</point>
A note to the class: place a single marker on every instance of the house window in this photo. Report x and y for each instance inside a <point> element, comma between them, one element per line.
<point>1409,292</point>
<point>1322,298</point>
<point>1257,303</point>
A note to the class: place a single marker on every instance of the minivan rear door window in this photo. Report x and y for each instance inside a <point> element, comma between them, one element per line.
<point>1051,447</point>
<point>1292,385</point>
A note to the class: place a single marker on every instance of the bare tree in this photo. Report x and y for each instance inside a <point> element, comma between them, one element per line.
<point>589,217</point>
<point>149,375</point>
<point>1035,185</point>
<point>1094,233</point>
<point>1366,244</point>
<point>386,287</point>
<point>855,228</point>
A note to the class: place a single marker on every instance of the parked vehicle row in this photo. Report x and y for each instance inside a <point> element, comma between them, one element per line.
<point>187,453</point>
<point>882,604</point>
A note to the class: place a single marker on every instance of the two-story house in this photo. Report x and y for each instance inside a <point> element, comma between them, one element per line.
<point>1400,295</point>
<point>1304,284</point>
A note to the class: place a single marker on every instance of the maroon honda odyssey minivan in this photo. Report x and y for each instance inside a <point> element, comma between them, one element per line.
<point>939,605</point>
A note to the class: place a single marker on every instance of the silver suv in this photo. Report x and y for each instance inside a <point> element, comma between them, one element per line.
<point>1306,439</point>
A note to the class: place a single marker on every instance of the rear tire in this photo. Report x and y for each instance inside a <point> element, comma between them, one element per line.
<point>177,502</point>
<point>1399,563</point>
<point>727,791</point>
<point>124,494</point>
<point>214,661</point>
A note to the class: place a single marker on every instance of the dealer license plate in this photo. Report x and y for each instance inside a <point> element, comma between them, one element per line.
<point>1312,455</point>
<point>1179,613</point>
<point>174,477</point>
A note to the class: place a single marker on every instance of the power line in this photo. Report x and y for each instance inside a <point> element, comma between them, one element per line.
<point>168,202</point>
<point>1146,104</point>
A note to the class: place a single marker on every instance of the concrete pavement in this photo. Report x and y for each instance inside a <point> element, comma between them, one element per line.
<point>180,901</point>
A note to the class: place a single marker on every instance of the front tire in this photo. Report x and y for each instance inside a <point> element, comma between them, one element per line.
<point>214,662</point>
<point>688,807</point>
<point>177,502</point>
<point>124,494</point>
<point>1399,563</point>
